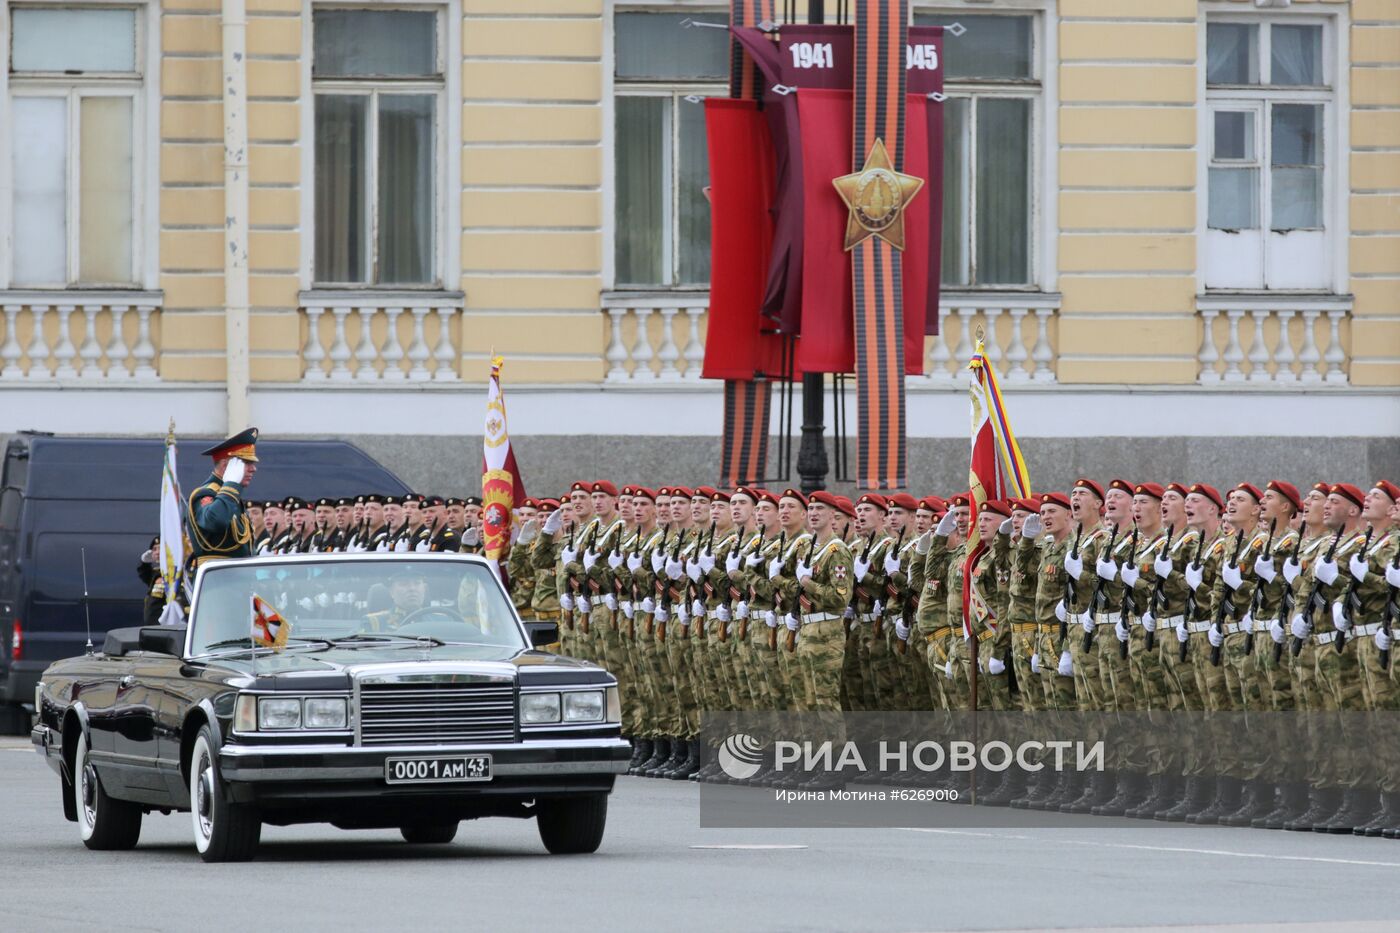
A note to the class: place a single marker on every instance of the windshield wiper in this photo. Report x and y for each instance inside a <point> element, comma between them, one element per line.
<point>378,637</point>
<point>246,643</point>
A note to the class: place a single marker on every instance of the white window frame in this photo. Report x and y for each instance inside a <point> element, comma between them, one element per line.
<point>1336,145</point>
<point>678,90</point>
<point>143,88</point>
<point>1042,89</point>
<point>447,230</point>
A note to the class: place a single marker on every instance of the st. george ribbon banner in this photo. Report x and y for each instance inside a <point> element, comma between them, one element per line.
<point>816,186</point>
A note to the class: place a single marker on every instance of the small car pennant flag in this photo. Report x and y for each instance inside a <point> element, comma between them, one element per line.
<point>270,630</point>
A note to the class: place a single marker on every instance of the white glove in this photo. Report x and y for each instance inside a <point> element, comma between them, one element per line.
<point>753,560</point>
<point>1035,658</point>
<point>1276,631</point>
<point>1339,618</point>
<point>1325,570</point>
<point>1060,613</point>
<point>995,666</point>
<point>1066,666</point>
<point>628,610</point>
<point>661,614</point>
<point>610,601</point>
<point>568,554</point>
<point>1215,637</point>
<point>925,542</point>
<point>634,562</point>
<point>1247,623</point>
<point>803,571</point>
<point>1382,640</point>
<point>697,608</point>
<point>401,546</point>
<point>1292,569</point>
<point>648,605</point>
<point>1182,634</point>
<point>528,531</point>
<point>1392,575</point>
<point>892,562</point>
<point>732,562</point>
<point>382,547</point>
<point>1264,569</point>
<point>306,603</point>
<point>741,611</point>
<point>1149,622</point>
<point>1358,568</point>
<point>1106,568</point>
<point>775,567</point>
<point>323,599</point>
<point>584,605</point>
<point>706,562</point>
<point>1033,528</point>
<point>722,614</point>
<point>770,619</point>
<point>1074,564</point>
<point>1195,573</point>
<point>566,602</point>
<point>682,613</point>
<point>692,570</point>
<point>421,547</point>
<point>862,567</point>
<point>1162,565</point>
<point>1086,622</point>
<point>946,524</point>
<point>235,471</point>
<point>1300,627</point>
<point>554,522</point>
<point>1130,574</point>
<point>878,609</point>
<point>1230,573</point>
<point>674,568</point>
<point>615,560</point>
<point>948,669</point>
<point>901,631</point>
<point>658,561</point>
<point>848,614</point>
<point>1121,630</point>
<point>1006,527</point>
<point>790,621</point>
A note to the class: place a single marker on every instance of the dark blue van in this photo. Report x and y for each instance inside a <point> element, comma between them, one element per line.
<point>60,496</point>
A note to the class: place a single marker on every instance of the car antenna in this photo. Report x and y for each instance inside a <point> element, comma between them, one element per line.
<point>87,612</point>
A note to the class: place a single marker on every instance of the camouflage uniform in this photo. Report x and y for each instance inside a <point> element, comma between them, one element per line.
<point>822,641</point>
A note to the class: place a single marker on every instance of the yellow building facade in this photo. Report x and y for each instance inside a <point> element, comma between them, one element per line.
<point>325,217</point>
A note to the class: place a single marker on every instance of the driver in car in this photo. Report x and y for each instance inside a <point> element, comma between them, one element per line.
<point>408,589</point>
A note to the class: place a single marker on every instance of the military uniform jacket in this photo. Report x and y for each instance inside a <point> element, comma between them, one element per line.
<point>832,573</point>
<point>899,591</point>
<point>1111,591</point>
<point>785,584</point>
<point>1091,542</point>
<point>1308,583</point>
<point>1025,554</point>
<point>1050,579</point>
<point>1270,595</point>
<point>217,525</point>
<point>1373,592</point>
<point>1251,547</point>
<point>872,587</point>
<point>762,592</point>
<point>933,604</point>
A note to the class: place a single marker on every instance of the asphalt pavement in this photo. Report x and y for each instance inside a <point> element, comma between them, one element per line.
<point>658,871</point>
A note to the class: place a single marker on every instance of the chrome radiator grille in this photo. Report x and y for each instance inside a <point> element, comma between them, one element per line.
<point>436,713</point>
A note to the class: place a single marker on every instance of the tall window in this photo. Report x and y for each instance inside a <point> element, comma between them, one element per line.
<point>992,80</point>
<point>662,221</point>
<point>378,82</point>
<point>75,78</point>
<point>1269,96</point>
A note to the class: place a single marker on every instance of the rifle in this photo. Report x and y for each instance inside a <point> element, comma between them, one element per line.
<point>666,601</point>
<point>879,622</point>
<point>1285,608</point>
<point>1227,604</point>
<point>854,604</point>
<point>569,583</point>
<point>1351,602</point>
<point>1315,599</point>
<point>1392,609</point>
<point>1190,599</point>
<point>1096,597</point>
<point>732,591</point>
<point>792,635</point>
<point>1159,587</point>
<point>1257,599</point>
<point>1069,585</point>
<point>777,596</point>
<point>1129,607</point>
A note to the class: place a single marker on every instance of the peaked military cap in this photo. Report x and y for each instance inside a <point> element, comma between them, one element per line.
<point>242,445</point>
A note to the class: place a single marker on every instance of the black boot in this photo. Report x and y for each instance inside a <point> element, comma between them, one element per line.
<point>1256,799</point>
<point>989,784</point>
<point>1226,801</point>
<point>1293,800</point>
<point>660,751</point>
<point>1388,816</point>
<point>1322,803</point>
<point>1038,787</point>
<point>679,749</point>
<point>1056,791</point>
<point>641,751</point>
<point>1161,795</point>
<point>1128,793</point>
<point>690,764</point>
<point>1013,786</point>
<point>1195,796</point>
<point>1359,806</point>
<point>1088,788</point>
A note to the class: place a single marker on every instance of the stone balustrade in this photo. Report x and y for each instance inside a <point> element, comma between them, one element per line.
<point>1273,341</point>
<point>107,337</point>
<point>378,340</point>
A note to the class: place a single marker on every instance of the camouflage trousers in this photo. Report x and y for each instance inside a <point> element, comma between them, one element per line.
<point>1275,676</point>
<point>1344,687</point>
<point>1385,696</point>
<point>993,690</point>
<point>1030,695</point>
<point>821,649</point>
<point>1058,690</point>
<point>676,642</point>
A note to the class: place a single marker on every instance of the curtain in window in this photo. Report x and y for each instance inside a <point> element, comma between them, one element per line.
<point>1230,57</point>
<point>642,187</point>
<point>1296,56</point>
<point>40,161</point>
<point>104,196</point>
<point>341,197</point>
<point>405,247</point>
<point>957,153</point>
<point>694,244</point>
<point>1296,166</point>
<point>1003,191</point>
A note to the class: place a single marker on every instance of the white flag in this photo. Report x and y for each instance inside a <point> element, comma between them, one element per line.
<point>172,537</point>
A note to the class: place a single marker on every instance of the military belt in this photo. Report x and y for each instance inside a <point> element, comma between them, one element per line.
<point>1326,638</point>
<point>1023,628</point>
<point>1231,628</point>
<point>940,632</point>
<point>1108,618</point>
<point>1195,628</point>
<point>815,617</point>
<point>1370,628</point>
<point>986,634</point>
<point>547,614</point>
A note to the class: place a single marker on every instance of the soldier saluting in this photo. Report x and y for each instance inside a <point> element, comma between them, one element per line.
<point>218,527</point>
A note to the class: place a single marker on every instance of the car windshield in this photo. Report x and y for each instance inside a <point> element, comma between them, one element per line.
<point>371,601</point>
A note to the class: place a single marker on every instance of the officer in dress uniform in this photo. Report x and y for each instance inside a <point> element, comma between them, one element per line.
<point>218,528</point>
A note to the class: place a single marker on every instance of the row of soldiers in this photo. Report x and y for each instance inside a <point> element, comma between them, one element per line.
<point>1135,598</point>
<point>412,522</point>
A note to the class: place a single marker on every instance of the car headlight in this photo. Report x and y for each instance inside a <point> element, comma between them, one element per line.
<point>279,713</point>
<point>539,707</point>
<point>324,713</point>
<point>583,706</point>
<point>614,705</point>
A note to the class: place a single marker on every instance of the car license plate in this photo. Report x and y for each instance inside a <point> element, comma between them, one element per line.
<point>433,769</point>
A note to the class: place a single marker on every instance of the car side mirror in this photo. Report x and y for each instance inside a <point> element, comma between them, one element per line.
<point>542,634</point>
<point>163,639</point>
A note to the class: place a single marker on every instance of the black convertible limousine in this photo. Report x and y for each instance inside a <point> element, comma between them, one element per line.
<point>407,694</point>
